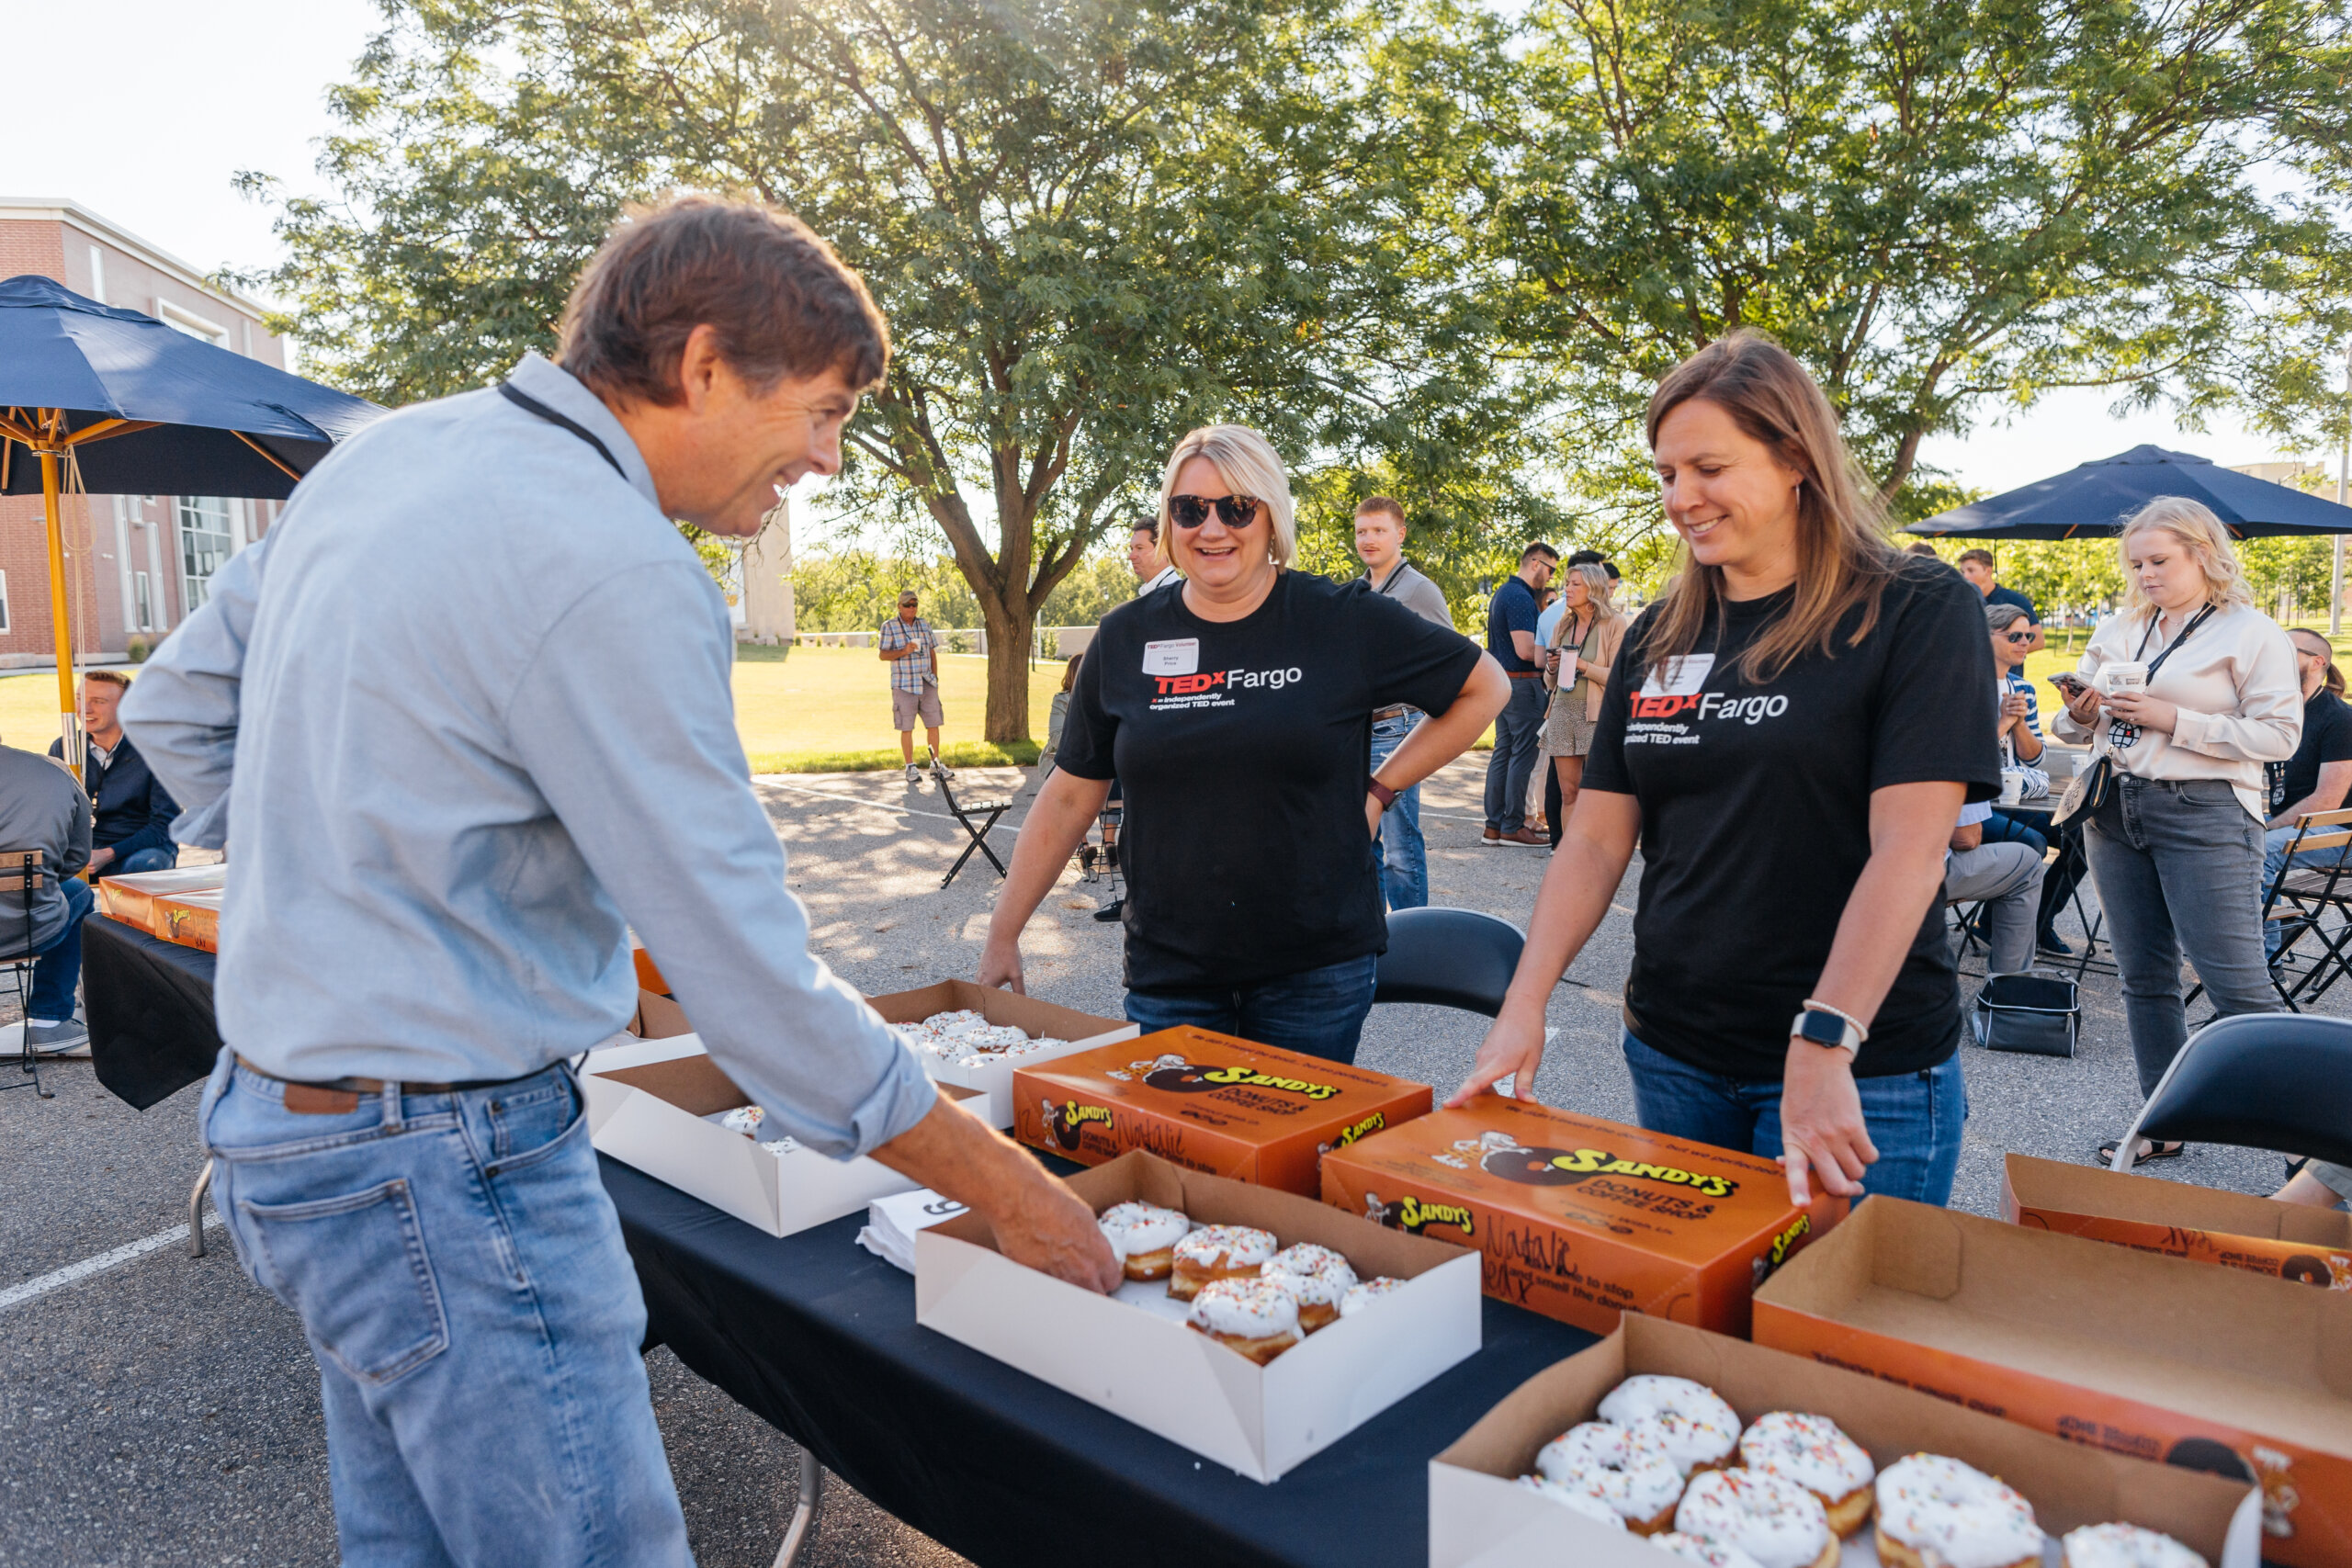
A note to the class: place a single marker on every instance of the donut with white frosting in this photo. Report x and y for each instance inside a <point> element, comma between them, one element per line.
<point>1713,1553</point>
<point>1255,1317</point>
<point>1621,1466</point>
<point>1697,1429</point>
<point>744,1119</point>
<point>1935,1512</point>
<point>1811,1451</point>
<point>1144,1236</point>
<point>1315,1277</point>
<point>1365,1292</point>
<point>1777,1522</point>
<point>2125,1546</point>
<point>1218,1252</point>
<point>1568,1497</point>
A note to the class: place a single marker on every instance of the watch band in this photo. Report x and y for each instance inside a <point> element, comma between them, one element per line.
<point>1383,794</point>
<point>1829,1028</point>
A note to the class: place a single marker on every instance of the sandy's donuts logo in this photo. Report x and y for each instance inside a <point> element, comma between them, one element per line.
<point>1065,1122</point>
<point>1179,1076</point>
<point>1500,1155</point>
<point>1410,1214</point>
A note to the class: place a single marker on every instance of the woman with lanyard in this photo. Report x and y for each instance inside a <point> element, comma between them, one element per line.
<point>1789,734</point>
<point>1236,712</point>
<point>2200,691</point>
<point>1584,645</point>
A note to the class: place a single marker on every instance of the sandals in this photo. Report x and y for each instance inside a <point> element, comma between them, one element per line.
<point>2154,1151</point>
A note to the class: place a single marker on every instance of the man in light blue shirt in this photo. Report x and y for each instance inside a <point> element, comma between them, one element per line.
<point>461,715</point>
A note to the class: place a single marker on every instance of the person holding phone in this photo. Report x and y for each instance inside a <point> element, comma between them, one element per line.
<point>2207,695</point>
<point>1789,734</point>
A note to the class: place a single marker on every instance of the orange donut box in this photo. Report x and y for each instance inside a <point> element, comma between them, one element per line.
<point>1208,1103</point>
<point>1581,1219</point>
<point>2235,1230</point>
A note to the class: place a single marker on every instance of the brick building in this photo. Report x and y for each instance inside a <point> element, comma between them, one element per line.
<point>136,564</point>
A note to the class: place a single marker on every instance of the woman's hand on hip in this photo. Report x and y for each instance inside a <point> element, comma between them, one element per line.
<point>1373,812</point>
<point>2147,712</point>
<point>1513,1049</point>
<point>1001,966</point>
<point>1822,1132</point>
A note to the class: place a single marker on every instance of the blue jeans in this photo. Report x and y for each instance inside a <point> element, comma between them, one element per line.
<point>57,968</point>
<point>138,861</point>
<point>1404,855</point>
<point>2274,861</point>
<point>1519,731</point>
<point>1914,1119</point>
<point>460,1276</point>
<point>2179,868</point>
<point>1320,1013</point>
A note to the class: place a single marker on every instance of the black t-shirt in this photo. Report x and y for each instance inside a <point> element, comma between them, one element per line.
<point>1756,804</point>
<point>1244,749</point>
<point>2327,738</point>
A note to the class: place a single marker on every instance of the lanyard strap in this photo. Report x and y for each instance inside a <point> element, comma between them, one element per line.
<point>529,404</point>
<point>1402,567</point>
<point>2157,663</point>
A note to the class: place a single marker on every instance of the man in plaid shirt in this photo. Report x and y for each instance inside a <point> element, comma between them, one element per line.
<point>907,644</point>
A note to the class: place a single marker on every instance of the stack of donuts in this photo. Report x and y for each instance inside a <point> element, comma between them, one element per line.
<point>969,1040</point>
<point>746,1120</point>
<point>1247,1291</point>
<point>1669,1459</point>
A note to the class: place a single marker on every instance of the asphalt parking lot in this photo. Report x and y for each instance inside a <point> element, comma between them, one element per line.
<point>163,1411</point>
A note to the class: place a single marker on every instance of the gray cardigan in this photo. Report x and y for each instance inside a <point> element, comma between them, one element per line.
<point>40,808</point>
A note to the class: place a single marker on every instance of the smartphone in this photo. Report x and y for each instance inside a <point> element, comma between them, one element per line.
<point>2074,685</point>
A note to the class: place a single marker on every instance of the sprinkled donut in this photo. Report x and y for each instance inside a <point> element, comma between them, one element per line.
<point>1144,1236</point>
<point>1255,1317</point>
<point>1365,1292</point>
<point>1777,1522</point>
<point>2126,1546</point>
<point>1622,1466</point>
<point>744,1119</point>
<point>1315,1277</point>
<point>1713,1553</point>
<point>1699,1431</point>
<point>1935,1512</point>
<point>1218,1252</point>
<point>1592,1507</point>
<point>1811,1451</point>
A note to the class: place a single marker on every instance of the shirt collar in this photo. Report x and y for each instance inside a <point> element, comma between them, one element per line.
<point>569,396</point>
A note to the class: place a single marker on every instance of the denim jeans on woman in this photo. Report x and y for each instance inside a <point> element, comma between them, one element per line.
<point>1404,856</point>
<point>1914,1119</point>
<point>460,1276</point>
<point>1318,1012</point>
<point>2179,864</point>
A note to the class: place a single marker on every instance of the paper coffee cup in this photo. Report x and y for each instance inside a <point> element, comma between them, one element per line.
<point>2129,675</point>
<point>2012,786</point>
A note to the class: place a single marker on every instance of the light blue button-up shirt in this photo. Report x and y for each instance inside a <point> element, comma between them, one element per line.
<point>473,694</point>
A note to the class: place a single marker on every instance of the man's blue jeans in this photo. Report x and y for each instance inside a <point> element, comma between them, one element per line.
<point>1914,1119</point>
<point>1519,731</point>
<point>1320,1013</point>
<point>460,1276</point>
<point>2274,861</point>
<point>57,968</point>
<point>138,861</point>
<point>1404,854</point>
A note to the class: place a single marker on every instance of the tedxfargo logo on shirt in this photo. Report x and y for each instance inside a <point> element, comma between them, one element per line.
<point>1175,667</point>
<point>1677,687</point>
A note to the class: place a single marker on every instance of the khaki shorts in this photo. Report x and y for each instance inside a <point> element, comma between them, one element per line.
<point>907,707</point>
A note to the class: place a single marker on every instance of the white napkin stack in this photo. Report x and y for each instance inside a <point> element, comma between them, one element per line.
<point>891,1224</point>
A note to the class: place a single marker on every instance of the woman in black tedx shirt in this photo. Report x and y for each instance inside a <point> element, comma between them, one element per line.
<point>1791,733</point>
<point>1237,715</point>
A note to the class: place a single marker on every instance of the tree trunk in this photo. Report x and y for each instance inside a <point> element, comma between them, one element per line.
<point>1009,622</point>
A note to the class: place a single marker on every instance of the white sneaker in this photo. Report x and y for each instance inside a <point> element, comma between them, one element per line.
<point>914,774</point>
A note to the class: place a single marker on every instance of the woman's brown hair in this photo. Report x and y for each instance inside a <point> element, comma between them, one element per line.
<point>1843,559</point>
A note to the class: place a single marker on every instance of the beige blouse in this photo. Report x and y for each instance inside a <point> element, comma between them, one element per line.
<point>1604,653</point>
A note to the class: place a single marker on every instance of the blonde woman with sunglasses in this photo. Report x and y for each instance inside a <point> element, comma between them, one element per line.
<point>1237,714</point>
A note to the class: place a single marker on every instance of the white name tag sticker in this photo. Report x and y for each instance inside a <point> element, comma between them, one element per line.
<point>1678,677</point>
<point>1181,657</point>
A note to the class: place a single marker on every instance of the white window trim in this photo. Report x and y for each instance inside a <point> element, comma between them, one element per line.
<point>97,275</point>
<point>3,601</point>
<point>191,323</point>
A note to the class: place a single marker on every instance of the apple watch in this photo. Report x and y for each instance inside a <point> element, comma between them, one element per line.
<point>1828,1028</point>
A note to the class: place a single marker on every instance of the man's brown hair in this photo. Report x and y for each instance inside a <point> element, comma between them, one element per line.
<point>782,304</point>
<point>108,677</point>
<point>1385,506</point>
<point>1984,556</point>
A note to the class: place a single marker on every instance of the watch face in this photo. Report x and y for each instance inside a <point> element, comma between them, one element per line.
<point>1824,1029</point>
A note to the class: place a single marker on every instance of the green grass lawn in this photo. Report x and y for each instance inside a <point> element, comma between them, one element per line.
<point>819,710</point>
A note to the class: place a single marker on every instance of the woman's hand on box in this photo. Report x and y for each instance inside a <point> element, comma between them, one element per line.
<point>1513,1049</point>
<point>1821,1131</point>
<point>1001,966</point>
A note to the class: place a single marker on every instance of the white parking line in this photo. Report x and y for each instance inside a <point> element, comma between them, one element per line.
<point>57,1278</point>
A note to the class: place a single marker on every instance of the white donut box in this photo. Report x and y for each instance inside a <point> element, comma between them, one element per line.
<point>991,1082</point>
<point>1480,1517</point>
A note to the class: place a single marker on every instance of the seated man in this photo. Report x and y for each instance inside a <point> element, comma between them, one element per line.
<point>2007,878</point>
<point>2316,778</point>
<point>42,808</point>
<point>135,812</point>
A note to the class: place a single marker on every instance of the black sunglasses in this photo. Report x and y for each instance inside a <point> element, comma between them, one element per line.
<point>2018,637</point>
<point>1236,512</point>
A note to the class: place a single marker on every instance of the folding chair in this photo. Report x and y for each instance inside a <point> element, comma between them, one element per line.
<point>21,873</point>
<point>1448,958</point>
<point>2260,1080</point>
<point>987,811</point>
<point>2308,893</point>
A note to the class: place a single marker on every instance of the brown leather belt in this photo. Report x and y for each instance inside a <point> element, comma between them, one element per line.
<point>340,1096</point>
<point>1524,674</point>
<point>1396,710</point>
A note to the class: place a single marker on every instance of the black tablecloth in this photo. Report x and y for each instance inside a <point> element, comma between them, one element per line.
<point>818,1336</point>
<point>150,1009</point>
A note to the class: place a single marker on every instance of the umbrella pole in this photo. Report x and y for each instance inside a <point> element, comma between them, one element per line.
<point>69,720</point>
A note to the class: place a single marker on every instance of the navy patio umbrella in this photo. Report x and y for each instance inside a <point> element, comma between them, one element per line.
<point>142,409</point>
<point>2096,498</point>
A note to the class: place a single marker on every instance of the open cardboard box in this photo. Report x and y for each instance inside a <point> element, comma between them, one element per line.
<point>2261,1236</point>
<point>991,1083</point>
<point>2159,1358</point>
<point>1478,1514</point>
<point>1132,1355</point>
<point>1581,1219</point>
<point>646,1104</point>
<point>131,898</point>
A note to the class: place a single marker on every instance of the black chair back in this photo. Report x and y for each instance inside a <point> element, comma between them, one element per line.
<point>2280,1081</point>
<point>1448,958</point>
